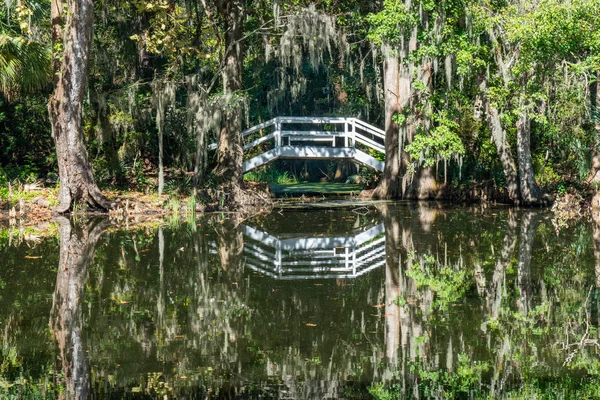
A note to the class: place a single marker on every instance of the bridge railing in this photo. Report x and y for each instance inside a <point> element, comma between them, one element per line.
<point>346,132</point>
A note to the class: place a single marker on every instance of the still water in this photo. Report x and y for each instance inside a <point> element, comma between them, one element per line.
<point>383,301</point>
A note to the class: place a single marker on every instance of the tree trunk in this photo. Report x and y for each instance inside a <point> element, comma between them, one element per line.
<point>229,150</point>
<point>196,128</point>
<point>160,123</point>
<point>531,193</point>
<point>594,177</point>
<point>109,143</point>
<point>503,147</point>
<point>422,185</point>
<point>77,183</point>
<point>343,170</point>
<point>596,240</point>
<point>389,186</point>
<point>77,247</point>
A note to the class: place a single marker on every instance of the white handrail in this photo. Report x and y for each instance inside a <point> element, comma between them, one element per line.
<point>369,128</point>
<point>354,131</point>
<point>368,142</point>
<point>258,127</point>
<point>259,141</point>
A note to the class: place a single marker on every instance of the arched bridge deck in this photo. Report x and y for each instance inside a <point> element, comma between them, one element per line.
<point>327,138</point>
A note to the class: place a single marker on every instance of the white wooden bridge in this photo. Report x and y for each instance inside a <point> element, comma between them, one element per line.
<point>314,257</point>
<point>327,138</point>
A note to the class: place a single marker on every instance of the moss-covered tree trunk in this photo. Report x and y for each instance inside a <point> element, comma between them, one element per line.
<point>229,150</point>
<point>77,183</point>
<point>531,193</point>
<point>594,177</point>
<point>390,184</point>
<point>422,184</point>
<point>504,152</point>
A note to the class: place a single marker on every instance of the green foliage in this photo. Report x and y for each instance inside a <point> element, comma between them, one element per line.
<point>466,380</point>
<point>26,148</point>
<point>181,185</point>
<point>270,174</point>
<point>441,143</point>
<point>389,24</point>
<point>380,391</point>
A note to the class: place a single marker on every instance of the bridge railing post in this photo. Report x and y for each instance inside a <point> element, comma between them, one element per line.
<point>352,131</point>
<point>346,132</point>
<point>277,133</point>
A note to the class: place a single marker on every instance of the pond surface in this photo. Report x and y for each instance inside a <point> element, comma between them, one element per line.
<point>379,301</point>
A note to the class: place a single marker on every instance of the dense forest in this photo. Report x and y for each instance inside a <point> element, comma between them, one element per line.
<point>129,94</point>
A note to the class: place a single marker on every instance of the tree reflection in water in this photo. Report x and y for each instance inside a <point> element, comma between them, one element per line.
<point>77,248</point>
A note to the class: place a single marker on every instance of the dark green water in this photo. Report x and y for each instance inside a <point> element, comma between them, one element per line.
<point>386,301</point>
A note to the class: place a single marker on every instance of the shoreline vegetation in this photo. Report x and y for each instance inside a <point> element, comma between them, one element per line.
<point>35,203</point>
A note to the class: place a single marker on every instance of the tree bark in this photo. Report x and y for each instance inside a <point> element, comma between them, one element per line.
<point>77,183</point>
<point>594,88</point>
<point>504,152</point>
<point>160,123</point>
<point>596,240</point>
<point>229,150</point>
<point>422,185</point>
<point>77,247</point>
<point>399,75</point>
<point>531,193</point>
<point>390,184</point>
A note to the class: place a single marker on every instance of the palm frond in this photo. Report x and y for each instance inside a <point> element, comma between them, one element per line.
<point>24,65</point>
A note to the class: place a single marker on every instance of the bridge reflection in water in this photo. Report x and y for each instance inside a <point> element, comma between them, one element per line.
<point>314,257</point>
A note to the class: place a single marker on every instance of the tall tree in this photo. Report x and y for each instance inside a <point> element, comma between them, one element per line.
<point>412,35</point>
<point>229,150</point>
<point>72,39</point>
<point>396,99</point>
